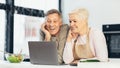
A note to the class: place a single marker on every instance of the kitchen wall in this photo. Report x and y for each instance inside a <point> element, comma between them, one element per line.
<point>101,11</point>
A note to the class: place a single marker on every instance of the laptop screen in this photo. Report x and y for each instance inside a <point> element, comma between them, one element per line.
<point>43,53</point>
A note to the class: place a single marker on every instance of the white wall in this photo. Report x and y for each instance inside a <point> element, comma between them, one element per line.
<point>101,11</point>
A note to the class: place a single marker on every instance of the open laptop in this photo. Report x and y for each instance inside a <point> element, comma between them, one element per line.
<point>43,53</point>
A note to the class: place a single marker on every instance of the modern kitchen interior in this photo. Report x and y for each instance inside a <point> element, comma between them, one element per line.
<point>21,20</point>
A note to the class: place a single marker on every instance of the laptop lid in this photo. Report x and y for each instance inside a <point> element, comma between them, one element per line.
<point>43,53</point>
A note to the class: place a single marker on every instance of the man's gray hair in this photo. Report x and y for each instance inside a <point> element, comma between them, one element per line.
<point>52,11</point>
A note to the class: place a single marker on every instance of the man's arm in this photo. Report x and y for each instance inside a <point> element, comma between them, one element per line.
<point>62,40</point>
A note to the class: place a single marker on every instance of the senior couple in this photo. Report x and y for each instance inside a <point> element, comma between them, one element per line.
<point>76,41</point>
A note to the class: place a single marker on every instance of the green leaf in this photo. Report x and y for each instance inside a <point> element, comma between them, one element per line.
<point>95,60</point>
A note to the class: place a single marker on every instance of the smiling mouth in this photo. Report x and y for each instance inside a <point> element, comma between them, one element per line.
<point>52,29</point>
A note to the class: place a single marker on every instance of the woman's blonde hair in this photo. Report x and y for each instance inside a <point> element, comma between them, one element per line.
<point>82,12</point>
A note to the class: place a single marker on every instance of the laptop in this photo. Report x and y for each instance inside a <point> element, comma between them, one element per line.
<point>43,53</point>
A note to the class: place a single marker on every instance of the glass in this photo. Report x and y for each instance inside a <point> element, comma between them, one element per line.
<point>26,28</point>
<point>115,43</point>
<point>14,58</point>
<point>38,4</point>
<point>2,33</point>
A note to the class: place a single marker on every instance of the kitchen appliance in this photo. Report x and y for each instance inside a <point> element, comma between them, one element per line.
<point>112,35</point>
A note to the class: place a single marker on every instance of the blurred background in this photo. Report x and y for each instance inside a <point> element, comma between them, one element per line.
<point>20,20</point>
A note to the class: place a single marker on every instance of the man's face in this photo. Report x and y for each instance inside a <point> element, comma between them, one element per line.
<point>53,23</point>
<point>77,23</point>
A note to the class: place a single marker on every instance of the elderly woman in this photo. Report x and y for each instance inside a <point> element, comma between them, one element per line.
<point>83,42</point>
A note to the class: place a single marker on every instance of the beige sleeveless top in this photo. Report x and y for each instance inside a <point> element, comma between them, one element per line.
<point>82,51</point>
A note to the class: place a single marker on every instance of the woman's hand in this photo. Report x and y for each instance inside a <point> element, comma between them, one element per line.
<point>71,36</point>
<point>47,34</point>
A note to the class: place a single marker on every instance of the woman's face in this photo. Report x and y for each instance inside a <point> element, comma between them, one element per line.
<point>77,23</point>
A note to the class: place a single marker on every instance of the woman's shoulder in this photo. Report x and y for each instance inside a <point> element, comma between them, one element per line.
<point>95,30</point>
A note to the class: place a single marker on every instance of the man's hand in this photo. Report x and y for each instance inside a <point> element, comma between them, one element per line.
<point>47,34</point>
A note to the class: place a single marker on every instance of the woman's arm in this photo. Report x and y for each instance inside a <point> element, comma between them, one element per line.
<point>68,50</point>
<point>100,46</point>
<point>68,53</point>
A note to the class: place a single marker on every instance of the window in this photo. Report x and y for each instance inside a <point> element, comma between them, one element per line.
<point>15,34</point>
<point>38,4</point>
<point>26,29</point>
<point>2,1</point>
<point>2,33</point>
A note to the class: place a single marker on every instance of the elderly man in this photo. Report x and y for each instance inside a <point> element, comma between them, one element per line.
<point>54,30</point>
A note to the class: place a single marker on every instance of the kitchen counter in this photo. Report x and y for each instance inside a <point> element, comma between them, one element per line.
<point>113,63</point>
<point>6,64</point>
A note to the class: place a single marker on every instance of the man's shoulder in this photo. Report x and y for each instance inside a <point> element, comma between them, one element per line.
<point>63,30</point>
<point>64,26</point>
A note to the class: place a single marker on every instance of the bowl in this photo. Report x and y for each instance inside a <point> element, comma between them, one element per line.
<point>14,58</point>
